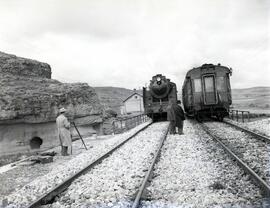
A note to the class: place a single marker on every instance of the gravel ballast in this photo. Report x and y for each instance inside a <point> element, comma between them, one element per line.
<point>194,172</point>
<point>59,172</point>
<point>114,182</point>
<point>260,126</point>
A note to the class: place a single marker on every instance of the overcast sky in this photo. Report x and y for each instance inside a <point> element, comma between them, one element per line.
<point>123,43</point>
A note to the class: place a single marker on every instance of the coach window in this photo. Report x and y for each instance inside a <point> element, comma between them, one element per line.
<point>220,84</point>
<point>197,85</point>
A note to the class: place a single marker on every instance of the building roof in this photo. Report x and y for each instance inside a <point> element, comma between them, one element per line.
<point>131,96</point>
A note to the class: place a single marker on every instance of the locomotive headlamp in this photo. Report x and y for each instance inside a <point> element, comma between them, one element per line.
<point>158,79</point>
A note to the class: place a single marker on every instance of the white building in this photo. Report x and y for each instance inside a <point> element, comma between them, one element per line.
<point>133,103</point>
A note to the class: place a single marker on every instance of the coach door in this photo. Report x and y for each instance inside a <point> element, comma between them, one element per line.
<point>209,90</point>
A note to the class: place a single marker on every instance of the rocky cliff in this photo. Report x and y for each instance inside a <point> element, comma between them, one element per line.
<point>28,95</point>
<point>18,66</point>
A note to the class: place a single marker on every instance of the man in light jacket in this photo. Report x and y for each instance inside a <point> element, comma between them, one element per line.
<point>64,135</point>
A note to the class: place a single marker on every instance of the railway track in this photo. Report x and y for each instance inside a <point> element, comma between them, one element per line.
<point>252,147</point>
<point>51,194</point>
<point>193,171</point>
<point>258,180</point>
<point>135,201</point>
<point>141,189</point>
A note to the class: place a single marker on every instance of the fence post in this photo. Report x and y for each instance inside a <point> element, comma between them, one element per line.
<point>237,115</point>
<point>232,115</point>
<point>248,117</point>
<point>243,117</point>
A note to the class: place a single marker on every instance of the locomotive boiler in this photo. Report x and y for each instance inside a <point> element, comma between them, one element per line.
<point>156,97</point>
<point>206,91</point>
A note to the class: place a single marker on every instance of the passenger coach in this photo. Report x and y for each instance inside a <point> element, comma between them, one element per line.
<point>206,91</point>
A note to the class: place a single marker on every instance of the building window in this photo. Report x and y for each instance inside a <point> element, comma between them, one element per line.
<point>136,97</point>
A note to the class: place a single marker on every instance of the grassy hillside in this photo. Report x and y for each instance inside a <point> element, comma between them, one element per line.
<point>256,97</point>
<point>112,97</point>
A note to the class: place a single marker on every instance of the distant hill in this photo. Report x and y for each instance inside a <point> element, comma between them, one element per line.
<point>112,97</point>
<point>252,90</point>
<point>251,98</point>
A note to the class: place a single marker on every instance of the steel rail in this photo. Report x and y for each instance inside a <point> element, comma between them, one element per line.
<point>257,135</point>
<point>265,188</point>
<point>150,170</point>
<point>47,197</point>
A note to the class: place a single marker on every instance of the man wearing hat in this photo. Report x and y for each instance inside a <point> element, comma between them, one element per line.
<point>63,127</point>
<point>171,116</point>
<point>180,117</point>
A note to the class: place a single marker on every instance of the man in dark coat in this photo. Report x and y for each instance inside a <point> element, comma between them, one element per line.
<point>179,117</point>
<point>171,117</point>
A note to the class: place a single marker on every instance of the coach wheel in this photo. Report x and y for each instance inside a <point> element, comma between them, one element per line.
<point>198,117</point>
<point>220,117</point>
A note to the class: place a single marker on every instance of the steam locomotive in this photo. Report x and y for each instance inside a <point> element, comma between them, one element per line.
<point>156,97</point>
<point>206,91</point>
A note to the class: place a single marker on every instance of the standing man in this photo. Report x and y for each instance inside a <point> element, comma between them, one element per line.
<point>63,127</point>
<point>179,117</point>
<point>171,117</point>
